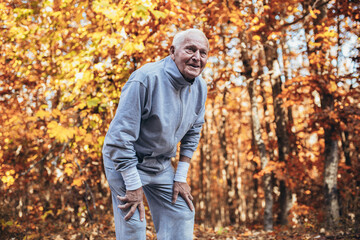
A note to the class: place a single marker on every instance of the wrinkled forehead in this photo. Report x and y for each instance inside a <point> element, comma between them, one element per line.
<point>197,39</point>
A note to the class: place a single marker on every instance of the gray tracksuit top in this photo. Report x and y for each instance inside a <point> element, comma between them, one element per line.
<point>158,109</point>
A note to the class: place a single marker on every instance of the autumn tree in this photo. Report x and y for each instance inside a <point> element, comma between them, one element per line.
<point>62,67</point>
<point>281,132</point>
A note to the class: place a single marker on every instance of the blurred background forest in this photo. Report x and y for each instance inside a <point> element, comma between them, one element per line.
<point>280,147</point>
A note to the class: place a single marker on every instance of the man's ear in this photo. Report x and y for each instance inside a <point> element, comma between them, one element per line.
<point>172,52</point>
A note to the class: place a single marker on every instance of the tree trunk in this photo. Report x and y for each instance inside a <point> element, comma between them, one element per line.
<point>331,151</point>
<point>228,178</point>
<point>267,184</point>
<point>332,208</point>
<point>256,126</point>
<point>220,212</point>
<point>209,213</point>
<point>283,145</point>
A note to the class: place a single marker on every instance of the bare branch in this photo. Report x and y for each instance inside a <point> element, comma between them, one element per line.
<point>44,157</point>
<point>307,12</point>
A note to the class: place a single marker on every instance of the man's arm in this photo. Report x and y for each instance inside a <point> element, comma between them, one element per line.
<point>133,198</point>
<point>119,144</point>
<point>188,145</point>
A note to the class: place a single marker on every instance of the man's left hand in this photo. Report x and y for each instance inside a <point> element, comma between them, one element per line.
<point>185,192</point>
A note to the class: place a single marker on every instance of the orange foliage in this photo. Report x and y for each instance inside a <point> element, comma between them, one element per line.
<point>62,67</point>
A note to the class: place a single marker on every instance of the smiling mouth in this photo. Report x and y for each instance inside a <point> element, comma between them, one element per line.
<point>194,66</point>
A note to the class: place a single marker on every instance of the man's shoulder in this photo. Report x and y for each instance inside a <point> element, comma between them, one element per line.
<point>148,71</point>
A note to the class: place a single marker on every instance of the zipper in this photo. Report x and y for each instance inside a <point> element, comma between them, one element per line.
<point>181,116</point>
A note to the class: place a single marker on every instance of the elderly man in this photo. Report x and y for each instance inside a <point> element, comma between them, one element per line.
<point>162,104</point>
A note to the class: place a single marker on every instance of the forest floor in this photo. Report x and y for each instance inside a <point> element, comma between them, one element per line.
<point>105,230</point>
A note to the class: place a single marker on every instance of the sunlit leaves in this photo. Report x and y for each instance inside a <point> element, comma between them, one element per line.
<point>64,64</point>
<point>22,12</point>
<point>93,102</point>
<point>256,38</point>
<point>43,114</point>
<point>8,178</point>
<point>60,133</point>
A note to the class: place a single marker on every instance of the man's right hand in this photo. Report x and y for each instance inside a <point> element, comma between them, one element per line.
<point>133,199</point>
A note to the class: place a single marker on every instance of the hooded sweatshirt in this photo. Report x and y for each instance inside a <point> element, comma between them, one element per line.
<point>158,109</point>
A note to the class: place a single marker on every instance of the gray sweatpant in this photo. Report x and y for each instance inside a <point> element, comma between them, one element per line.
<point>172,221</point>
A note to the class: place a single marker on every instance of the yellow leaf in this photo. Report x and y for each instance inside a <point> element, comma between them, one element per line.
<point>56,112</point>
<point>256,38</point>
<point>129,48</point>
<point>88,76</point>
<point>81,105</point>
<point>42,114</point>
<point>333,86</point>
<point>77,182</point>
<point>8,180</point>
<point>140,47</point>
<point>312,13</point>
<point>68,169</point>
<point>101,140</point>
<point>255,20</point>
<point>59,132</point>
<point>47,213</point>
<point>158,14</point>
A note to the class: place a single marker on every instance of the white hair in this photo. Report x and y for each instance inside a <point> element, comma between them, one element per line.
<point>180,36</point>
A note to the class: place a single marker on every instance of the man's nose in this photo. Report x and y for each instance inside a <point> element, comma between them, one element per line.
<point>196,55</point>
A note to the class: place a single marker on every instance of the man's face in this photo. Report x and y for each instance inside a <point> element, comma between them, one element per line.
<point>190,56</point>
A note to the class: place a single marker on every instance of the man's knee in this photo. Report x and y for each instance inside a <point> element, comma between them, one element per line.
<point>135,226</point>
<point>185,215</point>
<point>130,230</point>
<point>178,226</point>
